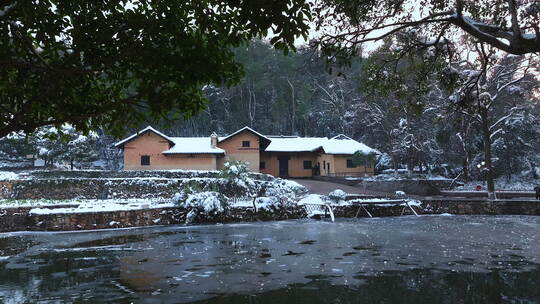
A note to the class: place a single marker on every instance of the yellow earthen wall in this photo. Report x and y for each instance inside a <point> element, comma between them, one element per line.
<point>234,150</point>
<point>323,160</point>
<point>296,163</point>
<point>153,145</point>
<point>340,166</point>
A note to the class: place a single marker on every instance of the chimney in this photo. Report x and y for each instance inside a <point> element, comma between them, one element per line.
<point>213,139</point>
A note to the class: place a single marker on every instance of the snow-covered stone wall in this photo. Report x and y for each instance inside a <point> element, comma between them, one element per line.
<point>151,184</point>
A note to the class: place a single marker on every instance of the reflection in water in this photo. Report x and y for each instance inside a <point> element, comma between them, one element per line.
<point>457,259</point>
<point>413,286</point>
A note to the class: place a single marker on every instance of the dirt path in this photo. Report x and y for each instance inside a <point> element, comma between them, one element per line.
<point>322,187</point>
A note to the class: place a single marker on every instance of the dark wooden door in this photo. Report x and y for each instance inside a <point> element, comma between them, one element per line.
<point>283,165</point>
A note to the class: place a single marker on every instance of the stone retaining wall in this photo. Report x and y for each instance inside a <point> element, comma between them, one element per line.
<point>484,194</point>
<point>413,186</point>
<point>19,219</point>
<point>125,174</point>
<point>61,189</point>
<point>498,207</point>
<point>416,187</point>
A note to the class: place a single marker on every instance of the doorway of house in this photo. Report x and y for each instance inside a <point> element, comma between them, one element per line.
<point>284,165</point>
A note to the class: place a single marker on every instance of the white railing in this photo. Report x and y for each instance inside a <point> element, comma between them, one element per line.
<point>322,210</point>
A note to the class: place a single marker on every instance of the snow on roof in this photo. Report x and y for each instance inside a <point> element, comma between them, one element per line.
<point>149,128</point>
<point>295,144</point>
<point>193,145</point>
<point>340,144</point>
<point>241,130</point>
<point>346,146</point>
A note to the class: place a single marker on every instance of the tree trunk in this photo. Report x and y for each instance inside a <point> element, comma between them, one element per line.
<point>466,168</point>
<point>533,170</point>
<point>486,134</point>
<point>395,163</point>
<point>509,170</point>
<point>293,106</point>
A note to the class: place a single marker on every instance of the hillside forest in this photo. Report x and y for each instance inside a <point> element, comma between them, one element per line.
<point>423,112</point>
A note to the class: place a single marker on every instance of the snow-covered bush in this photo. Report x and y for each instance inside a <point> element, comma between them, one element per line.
<point>234,169</point>
<point>206,202</point>
<point>268,203</point>
<point>236,173</point>
<point>281,187</point>
<point>180,197</point>
<point>337,195</point>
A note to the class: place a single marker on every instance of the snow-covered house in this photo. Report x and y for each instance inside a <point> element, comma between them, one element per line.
<point>288,156</point>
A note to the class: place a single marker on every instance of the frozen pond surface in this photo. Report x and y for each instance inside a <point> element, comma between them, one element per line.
<point>430,259</point>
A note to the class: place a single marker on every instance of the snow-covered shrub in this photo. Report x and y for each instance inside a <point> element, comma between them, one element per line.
<point>337,195</point>
<point>236,173</point>
<point>180,197</point>
<point>281,187</point>
<point>234,169</point>
<point>268,203</point>
<point>205,201</point>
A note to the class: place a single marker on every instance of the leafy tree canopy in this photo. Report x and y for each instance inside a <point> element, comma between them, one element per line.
<point>509,25</point>
<point>361,159</point>
<point>119,63</point>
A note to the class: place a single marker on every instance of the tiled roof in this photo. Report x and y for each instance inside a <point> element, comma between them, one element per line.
<point>149,128</point>
<point>340,144</point>
<point>193,145</point>
<point>241,130</point>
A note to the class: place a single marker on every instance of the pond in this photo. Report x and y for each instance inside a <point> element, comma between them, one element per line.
<point>427,259</point>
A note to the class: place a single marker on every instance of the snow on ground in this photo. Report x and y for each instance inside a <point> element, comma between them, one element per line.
<point>14,164</point>
<point>7,175</point>
<point>87,206</point>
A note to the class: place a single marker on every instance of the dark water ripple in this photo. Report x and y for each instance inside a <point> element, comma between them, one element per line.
<point>430,259</point>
